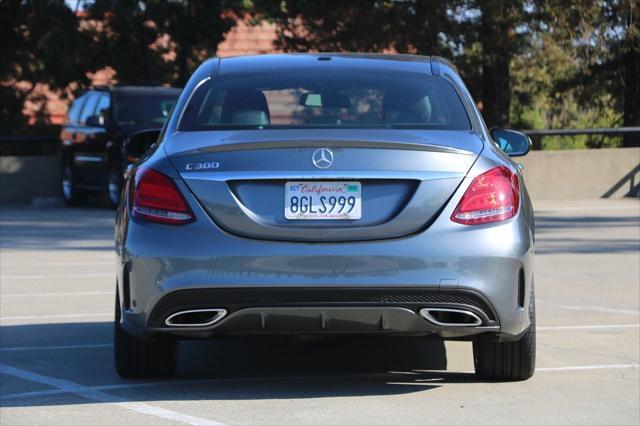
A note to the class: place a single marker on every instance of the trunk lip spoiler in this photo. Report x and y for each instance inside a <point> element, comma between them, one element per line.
<point>228,176</point>
<point>275,144</point>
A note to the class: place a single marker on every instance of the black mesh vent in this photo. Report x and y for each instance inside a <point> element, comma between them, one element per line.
<point>437,298</point>
<point>235,299</point>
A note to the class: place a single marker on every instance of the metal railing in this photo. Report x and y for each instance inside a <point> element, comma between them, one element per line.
<point>571,132</point>
<point>537,135</point>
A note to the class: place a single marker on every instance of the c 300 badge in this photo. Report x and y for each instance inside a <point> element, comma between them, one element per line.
<point>202,166</point>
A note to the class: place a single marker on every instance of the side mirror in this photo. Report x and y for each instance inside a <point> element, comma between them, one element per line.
<point>138,143</point>
<point>95,121</point>
<point>512,142</point>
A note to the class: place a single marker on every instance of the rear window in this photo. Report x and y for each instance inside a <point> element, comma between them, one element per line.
<point>306,99</point>
<point>143,108</point>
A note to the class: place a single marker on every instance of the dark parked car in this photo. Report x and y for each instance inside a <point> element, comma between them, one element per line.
<point>98,125</point>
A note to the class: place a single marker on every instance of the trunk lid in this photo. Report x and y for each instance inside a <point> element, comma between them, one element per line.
<point>406,178</point>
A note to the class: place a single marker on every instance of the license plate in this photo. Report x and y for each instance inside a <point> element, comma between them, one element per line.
<point>322,200</point>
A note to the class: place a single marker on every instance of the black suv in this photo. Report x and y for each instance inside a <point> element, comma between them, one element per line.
<point>98,124</point>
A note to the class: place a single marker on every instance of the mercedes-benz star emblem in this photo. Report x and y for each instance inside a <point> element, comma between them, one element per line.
<point>322,158</point>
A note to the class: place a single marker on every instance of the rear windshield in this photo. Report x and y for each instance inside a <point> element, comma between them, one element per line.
<point>143,108</point>
<point>327,99</point>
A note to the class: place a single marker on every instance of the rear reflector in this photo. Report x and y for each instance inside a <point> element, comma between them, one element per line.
<point>156,198</point>
<point>492,197</point>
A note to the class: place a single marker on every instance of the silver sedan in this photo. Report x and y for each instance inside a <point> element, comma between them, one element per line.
<point>325,194</point>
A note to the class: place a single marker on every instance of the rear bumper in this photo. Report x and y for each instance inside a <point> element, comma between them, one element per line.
<point>322,311</point>
<point>165,269</point>
<point>325,320</point>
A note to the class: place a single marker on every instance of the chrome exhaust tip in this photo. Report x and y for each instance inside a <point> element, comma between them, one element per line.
<point>446,317</point>
<point>195,318</point>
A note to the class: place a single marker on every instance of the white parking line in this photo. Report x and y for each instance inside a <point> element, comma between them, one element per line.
<point>48,348</point>
<point>586,327</point>
<point>52,276</point>
<point>63,316</point>
<point>112,263</point>
<point>67,294</point>
<point>589,367</point>
<point>118,386</point>
<point>87,392</point>
<point>603,309</point>
<point>30,264</point>
<point>633,312</point>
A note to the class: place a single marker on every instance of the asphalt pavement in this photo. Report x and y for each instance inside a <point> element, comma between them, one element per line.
<point>56,367</point>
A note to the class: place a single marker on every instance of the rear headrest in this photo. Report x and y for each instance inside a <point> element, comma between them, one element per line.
<point>245,106</point>
<point>250,117</point>
<point>399,107</point>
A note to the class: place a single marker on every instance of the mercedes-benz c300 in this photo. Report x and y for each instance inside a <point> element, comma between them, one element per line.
<point>326,194</point>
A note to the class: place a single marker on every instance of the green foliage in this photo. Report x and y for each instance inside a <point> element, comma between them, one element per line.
<point>125,38</point>
<point>531,64</point>
<point>572,76</point>
<point>195,28</point>
<point>361,25</point>
<point>139,38</point>
<point>145,42</point>
<point>479,36</point>
<point>41,43</point>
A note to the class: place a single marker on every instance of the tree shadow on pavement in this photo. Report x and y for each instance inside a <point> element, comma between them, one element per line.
<point>57,228</point>
<point>551,235</point>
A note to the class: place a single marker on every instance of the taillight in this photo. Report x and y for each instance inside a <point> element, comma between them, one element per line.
<point>156,198</point>
<point>491,197</point>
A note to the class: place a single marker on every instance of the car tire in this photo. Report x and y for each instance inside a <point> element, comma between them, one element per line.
<point>507,361</point>
<point>70,193</point>
<point>138,358</point>
<point>114,184</point>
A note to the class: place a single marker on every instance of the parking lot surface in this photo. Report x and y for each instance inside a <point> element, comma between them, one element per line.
<point>56,309</point>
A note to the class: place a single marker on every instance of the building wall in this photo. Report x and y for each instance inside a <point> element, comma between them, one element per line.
<point>583,173</point>
<point>246,39</point>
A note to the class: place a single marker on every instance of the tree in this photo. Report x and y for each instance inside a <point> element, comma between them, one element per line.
<point>127,40</point>
<point>159,42</point>
<point>195,29</point>
<point>350,25</point>
<point>475,35</point>
<point>630,53</point>
<point>538,63</point>
<point>500,42</point>
<point>604,41</point>
<point>41,44</point>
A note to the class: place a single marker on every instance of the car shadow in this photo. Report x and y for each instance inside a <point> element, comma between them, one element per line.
<point>237,368</point>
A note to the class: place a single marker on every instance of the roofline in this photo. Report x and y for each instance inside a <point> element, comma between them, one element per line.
<point>404,57</point>
<point>438,61</point>
<point>437,64</point>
